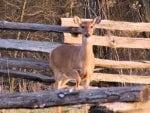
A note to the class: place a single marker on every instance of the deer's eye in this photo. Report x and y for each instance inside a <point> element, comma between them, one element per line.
<point>82,27</point>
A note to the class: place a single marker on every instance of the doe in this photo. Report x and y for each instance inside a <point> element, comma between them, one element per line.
<point>75,61</point>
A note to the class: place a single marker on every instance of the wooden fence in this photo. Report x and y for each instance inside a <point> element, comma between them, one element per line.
<point>108,41</point>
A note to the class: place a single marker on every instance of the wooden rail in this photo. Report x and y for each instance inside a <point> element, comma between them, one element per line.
<point>105,24</point>
<point>26,45</point>
<point>26,63</point>
<point>112,41</point>
<point>113,25</point>
<point>69,97</point>
<point>137,79</point>
<point>122,64</point>
<point>27,75</point>
<point>5,25</point>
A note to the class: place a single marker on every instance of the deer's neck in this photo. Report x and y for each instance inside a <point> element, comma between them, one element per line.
<point>87,47</point>
<point>87,51</point>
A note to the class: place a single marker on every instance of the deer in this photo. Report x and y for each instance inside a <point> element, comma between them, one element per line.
<point>69,61</point>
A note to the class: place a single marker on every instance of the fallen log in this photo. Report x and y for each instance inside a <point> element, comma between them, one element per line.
<point>70,97</point>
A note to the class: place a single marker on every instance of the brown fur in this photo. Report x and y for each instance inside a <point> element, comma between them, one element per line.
<point>73,61</point>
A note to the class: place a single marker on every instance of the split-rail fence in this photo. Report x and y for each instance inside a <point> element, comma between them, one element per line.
<point>140,92</point>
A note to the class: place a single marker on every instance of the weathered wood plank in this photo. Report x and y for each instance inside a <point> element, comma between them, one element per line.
<point>112,41</point>
<point>24,63</point>
<point>113,25</point>
<point>27,45</point>
<point>134,107</point>
<point>68,97</point>
<point>122,64</point>
<point>121,107</point>
<point>26,75</point>
<point>137,79</point>
<point>116,42</point>
<point>5,25</point>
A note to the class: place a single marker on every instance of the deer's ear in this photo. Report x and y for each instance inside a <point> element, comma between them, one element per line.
<point>77,20</point>
<point>97,20</point>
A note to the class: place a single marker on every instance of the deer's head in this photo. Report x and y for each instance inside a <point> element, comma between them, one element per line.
<point>87,27</point>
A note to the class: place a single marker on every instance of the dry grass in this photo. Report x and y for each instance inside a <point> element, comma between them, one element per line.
<point>45,110</point>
